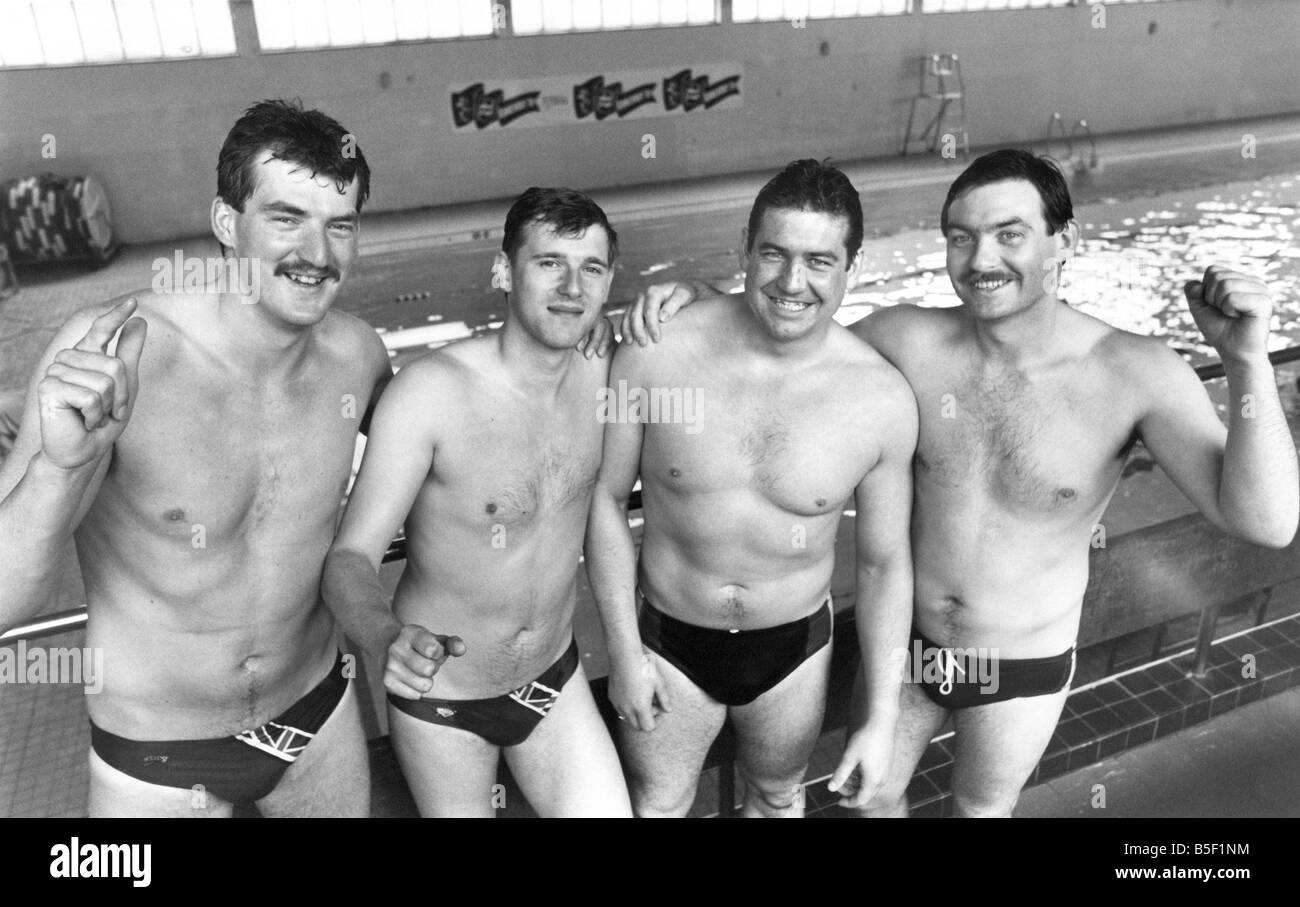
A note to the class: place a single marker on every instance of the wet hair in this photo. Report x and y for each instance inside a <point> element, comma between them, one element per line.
<point>809,185</point>
<point>566,211</point>
<point>1015,164</point>
<point>307,138</point>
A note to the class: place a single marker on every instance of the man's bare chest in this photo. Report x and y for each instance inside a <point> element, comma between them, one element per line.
<point>237,460</point>
<point>509,467</point>
<point>1048,446</point>
<point>803,454</point>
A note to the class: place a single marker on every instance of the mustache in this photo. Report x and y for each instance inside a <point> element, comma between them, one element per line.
<point>328,272</point>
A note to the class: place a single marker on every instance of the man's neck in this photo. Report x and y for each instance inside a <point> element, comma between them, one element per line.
<point>252,341</point>
<point>531,364</point>
<point>758,340</point>
<point>1023,340</point>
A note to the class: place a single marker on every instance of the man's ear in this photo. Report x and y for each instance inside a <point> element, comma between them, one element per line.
<point>744,248</point>
<point>501,272</point>
<point>854,267</point>
<point>1067,240</point>
<point>223,222</point>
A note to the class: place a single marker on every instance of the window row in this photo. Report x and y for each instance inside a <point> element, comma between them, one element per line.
<point>68,32</point>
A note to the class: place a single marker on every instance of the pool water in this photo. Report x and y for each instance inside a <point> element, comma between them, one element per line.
<point>1135,256</point>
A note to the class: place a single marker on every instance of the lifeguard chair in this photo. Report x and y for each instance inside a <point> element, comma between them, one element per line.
<point>941,81</point>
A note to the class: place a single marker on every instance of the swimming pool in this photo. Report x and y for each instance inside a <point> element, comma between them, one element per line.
<point>1134,257</point>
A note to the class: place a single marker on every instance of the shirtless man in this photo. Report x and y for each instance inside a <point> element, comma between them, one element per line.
<point>795,416</point>
<point>1028,410</point>
<point>200,473</point>
<point>488,450</point>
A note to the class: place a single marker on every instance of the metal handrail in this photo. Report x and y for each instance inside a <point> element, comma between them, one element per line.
<point>1082,125</point>
<point>1065,134</point>
<point>75,618</point>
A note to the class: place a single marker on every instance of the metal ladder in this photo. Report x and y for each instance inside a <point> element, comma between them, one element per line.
<point>939,72</point>
<point>1080,128</point>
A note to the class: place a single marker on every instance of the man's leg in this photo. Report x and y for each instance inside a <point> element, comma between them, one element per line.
<point>775,736</point>
<point>115,794</point>
<point>450,771</point>
<point>331,777</point>
<point>568,767</point>
<point>998,746</point>
<point>919,720</point>
<point>664,765</point>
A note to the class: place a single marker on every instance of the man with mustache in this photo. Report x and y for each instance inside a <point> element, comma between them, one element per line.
<point>1028,409</point>
<point>729,613</point>
<point>487,449</point>
<point>200,473</point>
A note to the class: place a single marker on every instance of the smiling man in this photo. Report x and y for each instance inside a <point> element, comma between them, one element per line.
<point>1028,409</point>
<point>200,473</point>
<point>487,449</point>
<point>729,615</point>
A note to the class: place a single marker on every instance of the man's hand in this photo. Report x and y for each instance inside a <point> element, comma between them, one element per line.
<point>639,693</point>
<point>599,341</point>
<point>653,307</point>
<point>1233,312</point>
<point>864,765</point>
<point>414,657</point>
<point>86,396</point>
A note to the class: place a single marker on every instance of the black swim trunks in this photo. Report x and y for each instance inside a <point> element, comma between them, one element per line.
<point>735,667</point>
<point>957,678</point>
<point>240,769</point>
<point>505,720</point>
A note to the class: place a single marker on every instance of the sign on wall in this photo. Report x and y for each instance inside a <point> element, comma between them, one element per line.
<point>588,98</point>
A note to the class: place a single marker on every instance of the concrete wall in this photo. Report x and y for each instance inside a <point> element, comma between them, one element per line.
<point>151,131</point>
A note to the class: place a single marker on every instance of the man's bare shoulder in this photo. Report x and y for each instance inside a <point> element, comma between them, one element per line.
<point>701,321</point>
<point>1124,353</point>
<point>689,330</point>
<point>861,371</point>
<point>353,340</point>
<point>896,329</point>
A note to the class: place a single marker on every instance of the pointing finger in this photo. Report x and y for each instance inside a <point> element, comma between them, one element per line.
<point>129,347</point>
<point>105,326</point>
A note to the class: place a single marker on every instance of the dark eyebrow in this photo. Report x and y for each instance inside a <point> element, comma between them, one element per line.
<point>1013,222</point>
<point>815,253</point>
<point>590,259</point>
<point>284,208</point>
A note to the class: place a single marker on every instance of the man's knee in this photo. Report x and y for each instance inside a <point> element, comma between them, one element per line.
<point>654,799</point>
<point>983,805</point>
<point>889,802</point>
<point>773,796</point>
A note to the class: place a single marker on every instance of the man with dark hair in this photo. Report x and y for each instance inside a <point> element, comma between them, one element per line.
<point>200,474</point>
<point>741,504</point>
<point>488,450</point>
<point>1028,409</point>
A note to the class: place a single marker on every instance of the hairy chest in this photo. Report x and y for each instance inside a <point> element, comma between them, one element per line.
<point>1052,446</point>
<point>802,451</point>
<point>512,467</point>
